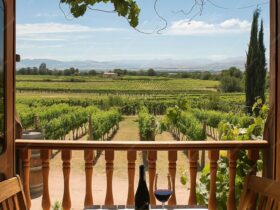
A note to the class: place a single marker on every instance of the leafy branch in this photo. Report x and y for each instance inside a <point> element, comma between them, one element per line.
<point>125,8</point>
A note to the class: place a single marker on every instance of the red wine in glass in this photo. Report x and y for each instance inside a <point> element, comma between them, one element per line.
<point>163,195</point>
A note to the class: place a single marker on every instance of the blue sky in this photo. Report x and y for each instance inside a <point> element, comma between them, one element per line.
<point>43,31</point>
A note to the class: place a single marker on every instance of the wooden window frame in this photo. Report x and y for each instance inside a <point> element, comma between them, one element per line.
<point>7,159</point>
<point>272,157</point>
<point>274,131</point>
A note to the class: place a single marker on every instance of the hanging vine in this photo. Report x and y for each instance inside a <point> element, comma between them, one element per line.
<point>125,8</point>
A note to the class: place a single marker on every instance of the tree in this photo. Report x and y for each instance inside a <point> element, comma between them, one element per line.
<point>230,84</point>
<point>43,69</point>
<point>185,75</point>
<point>67,72</point>
<point>205,75</point>
<point>255,70</point>
<point>151,72</point>
<point>233,71</point>
<point>125,8</point>
<point>92,72</point>
<point>120,72</point>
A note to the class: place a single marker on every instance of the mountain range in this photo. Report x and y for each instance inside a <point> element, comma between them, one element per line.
<point>157,64</point>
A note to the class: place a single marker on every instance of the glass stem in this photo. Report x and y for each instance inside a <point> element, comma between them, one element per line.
<point>162,205</point>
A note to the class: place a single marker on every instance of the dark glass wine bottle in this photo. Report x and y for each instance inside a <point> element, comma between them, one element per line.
<point>142,197</point>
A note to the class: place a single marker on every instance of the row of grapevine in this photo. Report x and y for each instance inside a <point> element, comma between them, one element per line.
<point>148,128</point>
<point>103,123</point>
<point>59,127</point>
<point>35,117</point>
<point>26,115</point>
<point>184,123</point>
<point>252,130</point>
<point>213,118</point>
<point>148,125</point>
<point>58,120</point>
<point>109,92</point>
<point>130,105</point>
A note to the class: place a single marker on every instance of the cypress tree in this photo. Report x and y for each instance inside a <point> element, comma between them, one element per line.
<point>251,65</point>
<point>262,71</point>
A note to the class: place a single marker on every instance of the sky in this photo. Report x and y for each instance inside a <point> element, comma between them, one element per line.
<point>46,30</point>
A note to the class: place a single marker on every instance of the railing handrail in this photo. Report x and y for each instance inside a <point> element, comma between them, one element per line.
<point>141,145</point>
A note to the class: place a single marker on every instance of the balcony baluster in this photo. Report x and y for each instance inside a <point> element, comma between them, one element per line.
<point>88,157</point>
<point>66,159</point>
<point>25,157</point>
<point>172,158</point>
<point>152,158</point>
<point>193,161</point>
<point>131,158</point>
<point>109,157</point>
<point>45,157</point>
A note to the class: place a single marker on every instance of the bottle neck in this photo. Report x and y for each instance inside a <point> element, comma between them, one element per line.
<point>142,173</point>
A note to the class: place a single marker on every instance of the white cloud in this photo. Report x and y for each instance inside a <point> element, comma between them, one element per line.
<point>34,46</point>
<point>236,23</point>
<point>48,28</point>
<point>193,27</point>
<point>56,31</point>
<point>39,37</point>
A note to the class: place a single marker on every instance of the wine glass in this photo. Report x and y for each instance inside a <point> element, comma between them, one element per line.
<point>163,194</point>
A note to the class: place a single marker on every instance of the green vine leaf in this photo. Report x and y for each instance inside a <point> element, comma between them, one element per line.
<point>125,8</point>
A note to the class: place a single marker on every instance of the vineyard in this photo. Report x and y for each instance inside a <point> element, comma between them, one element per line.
<point>114,86</point>
<point>70,107</point>
<point>56,119</point>
<point>94,106</point>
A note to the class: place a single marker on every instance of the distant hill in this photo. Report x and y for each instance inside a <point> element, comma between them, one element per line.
<point>159,64</point>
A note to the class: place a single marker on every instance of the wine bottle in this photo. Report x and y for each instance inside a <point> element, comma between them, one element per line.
<point>142,197</point>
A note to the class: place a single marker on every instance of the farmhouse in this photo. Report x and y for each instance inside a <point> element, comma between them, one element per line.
<point>110,75</point>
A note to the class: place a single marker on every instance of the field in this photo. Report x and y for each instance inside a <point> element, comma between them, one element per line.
<point>126,85</point>
<point>43,94</point>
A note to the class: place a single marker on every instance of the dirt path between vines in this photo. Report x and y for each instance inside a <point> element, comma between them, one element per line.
<point>128,131</point>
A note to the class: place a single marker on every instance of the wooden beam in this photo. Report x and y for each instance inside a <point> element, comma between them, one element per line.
<point>7,159</point>
<point>276,42</point>
<point>270,125</point>
<point>272,131</point>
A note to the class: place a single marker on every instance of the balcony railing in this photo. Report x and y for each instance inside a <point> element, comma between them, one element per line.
<point>193,148</point>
